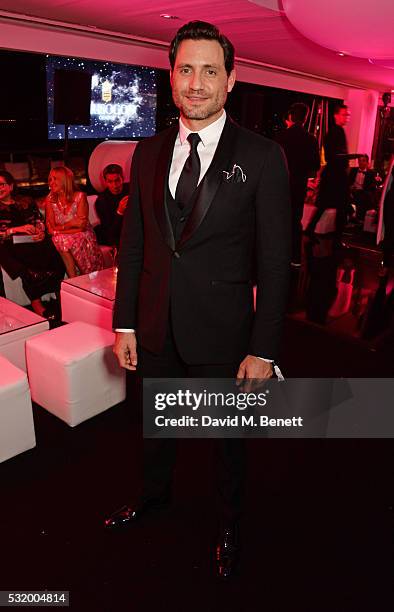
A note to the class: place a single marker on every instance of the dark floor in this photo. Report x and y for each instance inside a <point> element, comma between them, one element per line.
<point>317,530</point>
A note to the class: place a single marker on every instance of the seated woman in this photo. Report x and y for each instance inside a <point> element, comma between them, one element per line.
<point>67,221</point>
<point>37,262</point>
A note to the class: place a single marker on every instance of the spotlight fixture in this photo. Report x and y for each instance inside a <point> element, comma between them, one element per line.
<point>341,53</point>
<point>167,16</point>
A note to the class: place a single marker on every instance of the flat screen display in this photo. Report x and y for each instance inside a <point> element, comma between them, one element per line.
<point>123,99</point>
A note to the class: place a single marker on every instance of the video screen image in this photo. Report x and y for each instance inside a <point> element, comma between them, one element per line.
<point>123,99</point>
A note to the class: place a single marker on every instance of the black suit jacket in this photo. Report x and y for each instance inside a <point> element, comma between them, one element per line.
<point>369,180</point>
<point>302,153</point>
<point>110,227</point>
<point>204,281</point>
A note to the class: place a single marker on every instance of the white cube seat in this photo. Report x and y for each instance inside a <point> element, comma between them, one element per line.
<point>73,372</point>
<point>16,415</point>
<point>326,223</point>
<point>371,221</point>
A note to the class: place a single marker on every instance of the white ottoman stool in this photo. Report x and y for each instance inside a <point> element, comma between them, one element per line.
<point>371,221</point>
<point>16,416</point>
<point>325,225</point>
<point>73,373</point>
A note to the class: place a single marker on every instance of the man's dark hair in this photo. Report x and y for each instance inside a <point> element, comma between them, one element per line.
<point>339,107</point>
<point>298,112</point>
<point>202,30</point>
<point>365,155</point>
<point>112,169</point>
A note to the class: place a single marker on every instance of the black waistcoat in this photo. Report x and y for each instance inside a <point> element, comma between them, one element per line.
<point>177,216</point>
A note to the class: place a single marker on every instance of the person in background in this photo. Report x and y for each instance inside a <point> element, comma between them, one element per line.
<point>334,189</point>
<point>67,222</point>
<point>363,183</point>
<point>303,159</point>
<point>385,233</point>
<point>36,262</point>
<point>111,205</point>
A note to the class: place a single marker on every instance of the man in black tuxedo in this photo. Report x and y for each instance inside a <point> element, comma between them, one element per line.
<point>302,153</point>
<point>334,180</point>
<point>216,210</point>
<point>363,182</point>
<point>110,206</point>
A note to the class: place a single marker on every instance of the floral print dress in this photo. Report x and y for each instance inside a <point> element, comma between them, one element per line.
<point>82,245</point>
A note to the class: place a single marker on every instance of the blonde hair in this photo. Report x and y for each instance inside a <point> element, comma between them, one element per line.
<point>67,180</point>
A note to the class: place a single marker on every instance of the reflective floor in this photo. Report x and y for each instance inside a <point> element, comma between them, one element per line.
<point>339,292</point>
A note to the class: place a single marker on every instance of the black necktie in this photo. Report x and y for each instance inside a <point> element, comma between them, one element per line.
<point>190,174</point>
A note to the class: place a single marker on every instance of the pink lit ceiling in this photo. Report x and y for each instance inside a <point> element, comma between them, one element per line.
<point>353,27</point>
<point>259,29</point>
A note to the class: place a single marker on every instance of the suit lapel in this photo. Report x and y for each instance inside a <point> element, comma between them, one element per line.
<point>211,181</point>
<point>160,188</point>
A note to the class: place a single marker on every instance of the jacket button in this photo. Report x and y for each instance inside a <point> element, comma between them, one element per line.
<point>176,254</point>
<point>182,219</point>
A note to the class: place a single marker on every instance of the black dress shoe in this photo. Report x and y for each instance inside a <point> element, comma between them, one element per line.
<point>126,516</point>
<point>227,553</point>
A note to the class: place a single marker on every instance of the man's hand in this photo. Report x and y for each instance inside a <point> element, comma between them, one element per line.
<point>125,348</point>
<point>256,369</point>
<point>122,205</point>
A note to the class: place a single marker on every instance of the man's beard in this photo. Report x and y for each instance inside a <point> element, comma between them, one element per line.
<point>199,113</point>
<point>196,114</point>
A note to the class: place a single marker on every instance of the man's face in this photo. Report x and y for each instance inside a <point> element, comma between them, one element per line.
<point>114,183</point>
<point>363,163</point>
<point>341,117</point>
<point>199,81</point>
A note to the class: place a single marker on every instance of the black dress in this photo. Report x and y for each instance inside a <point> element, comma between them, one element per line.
<point>38,264</point>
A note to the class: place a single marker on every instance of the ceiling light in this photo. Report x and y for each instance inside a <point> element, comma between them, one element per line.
<point>341,53</point>
<point>167,16</point>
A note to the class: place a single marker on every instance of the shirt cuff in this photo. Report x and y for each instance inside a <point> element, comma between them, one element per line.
<point>277,371</point>
<point>123,330</point>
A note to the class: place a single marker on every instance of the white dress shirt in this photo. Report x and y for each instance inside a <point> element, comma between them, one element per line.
<point>358,184</point>
<point>210,137</point>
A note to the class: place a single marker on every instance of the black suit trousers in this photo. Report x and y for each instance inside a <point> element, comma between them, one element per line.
<point>159,455</point>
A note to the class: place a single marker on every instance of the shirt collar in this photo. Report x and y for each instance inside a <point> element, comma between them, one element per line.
<point>208,135</point>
